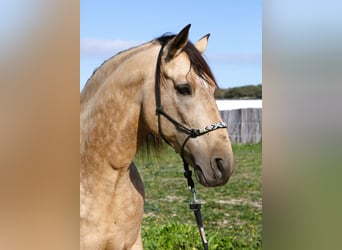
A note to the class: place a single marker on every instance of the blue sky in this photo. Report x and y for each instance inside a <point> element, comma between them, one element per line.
<point>233,53</point>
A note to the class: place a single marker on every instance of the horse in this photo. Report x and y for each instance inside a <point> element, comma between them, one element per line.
<point>143,96</point>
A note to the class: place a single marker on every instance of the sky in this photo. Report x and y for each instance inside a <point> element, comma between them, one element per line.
<point>235,27</point>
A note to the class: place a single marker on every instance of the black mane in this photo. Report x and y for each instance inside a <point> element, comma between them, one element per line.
<point>196,59</point>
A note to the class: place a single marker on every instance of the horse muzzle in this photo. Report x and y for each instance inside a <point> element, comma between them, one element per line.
<point>216,173</point>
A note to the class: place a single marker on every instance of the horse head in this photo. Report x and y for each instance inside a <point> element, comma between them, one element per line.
<point>185,99</point>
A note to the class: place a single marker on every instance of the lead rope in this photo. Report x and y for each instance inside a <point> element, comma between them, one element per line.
<point>195,205</point>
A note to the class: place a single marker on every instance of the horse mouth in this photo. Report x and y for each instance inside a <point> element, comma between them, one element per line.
<point>219,176</point>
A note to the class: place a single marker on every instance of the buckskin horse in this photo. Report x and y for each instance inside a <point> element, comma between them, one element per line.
<point>160,90</point>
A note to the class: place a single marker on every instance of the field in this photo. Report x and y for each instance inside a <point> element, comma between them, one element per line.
<point>232,214</point>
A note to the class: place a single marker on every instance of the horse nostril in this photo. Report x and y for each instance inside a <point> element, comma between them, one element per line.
<point>219,164</point>
<point>221,170</point>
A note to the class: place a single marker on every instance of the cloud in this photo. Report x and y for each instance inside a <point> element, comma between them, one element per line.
<point>99,48</point>
<point>235,58</point>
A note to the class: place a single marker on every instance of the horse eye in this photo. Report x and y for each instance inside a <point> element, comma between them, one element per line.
<point>184,89</point>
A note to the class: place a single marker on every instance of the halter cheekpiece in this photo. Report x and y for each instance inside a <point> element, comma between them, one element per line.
<point>195,205</point>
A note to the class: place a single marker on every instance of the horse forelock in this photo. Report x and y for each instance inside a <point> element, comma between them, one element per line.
<point>199,65</point>
<point>197,62</point>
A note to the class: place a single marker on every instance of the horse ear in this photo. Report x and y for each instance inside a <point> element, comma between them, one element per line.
<point>175,46</point>
<point>202,44</point>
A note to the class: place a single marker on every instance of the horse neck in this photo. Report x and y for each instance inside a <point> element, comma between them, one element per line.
<point>106,69</point>
<point>110,114</point>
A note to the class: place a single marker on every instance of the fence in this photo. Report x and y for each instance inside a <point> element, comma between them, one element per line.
<point>244,125</point>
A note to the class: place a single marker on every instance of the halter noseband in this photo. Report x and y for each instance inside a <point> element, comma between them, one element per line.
<point>195,206</point>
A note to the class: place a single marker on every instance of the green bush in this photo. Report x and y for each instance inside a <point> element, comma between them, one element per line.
<point>248,91</point>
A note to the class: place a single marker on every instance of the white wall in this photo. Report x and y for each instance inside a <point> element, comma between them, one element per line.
<point>238,104</point>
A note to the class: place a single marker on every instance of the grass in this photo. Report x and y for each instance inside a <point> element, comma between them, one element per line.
<point>231,214</point>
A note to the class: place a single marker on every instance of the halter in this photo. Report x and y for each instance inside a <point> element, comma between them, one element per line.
<point>195,205</point>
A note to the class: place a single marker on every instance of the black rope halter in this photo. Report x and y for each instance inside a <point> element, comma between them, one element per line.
<point>192,133</point>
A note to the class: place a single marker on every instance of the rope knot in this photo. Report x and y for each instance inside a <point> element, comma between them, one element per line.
<point>187,174</point>
<point>159,110</point>
<point>194,133</point>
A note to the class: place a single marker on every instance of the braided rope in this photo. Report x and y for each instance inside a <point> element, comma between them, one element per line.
<point>212,127</point>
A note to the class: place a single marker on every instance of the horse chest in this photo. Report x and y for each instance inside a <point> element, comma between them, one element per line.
<point>112,219</point>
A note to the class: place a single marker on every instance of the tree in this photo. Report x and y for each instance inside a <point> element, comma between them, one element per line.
<point>243,92</point>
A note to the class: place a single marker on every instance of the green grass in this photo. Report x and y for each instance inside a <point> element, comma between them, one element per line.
<point>231,214</point>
